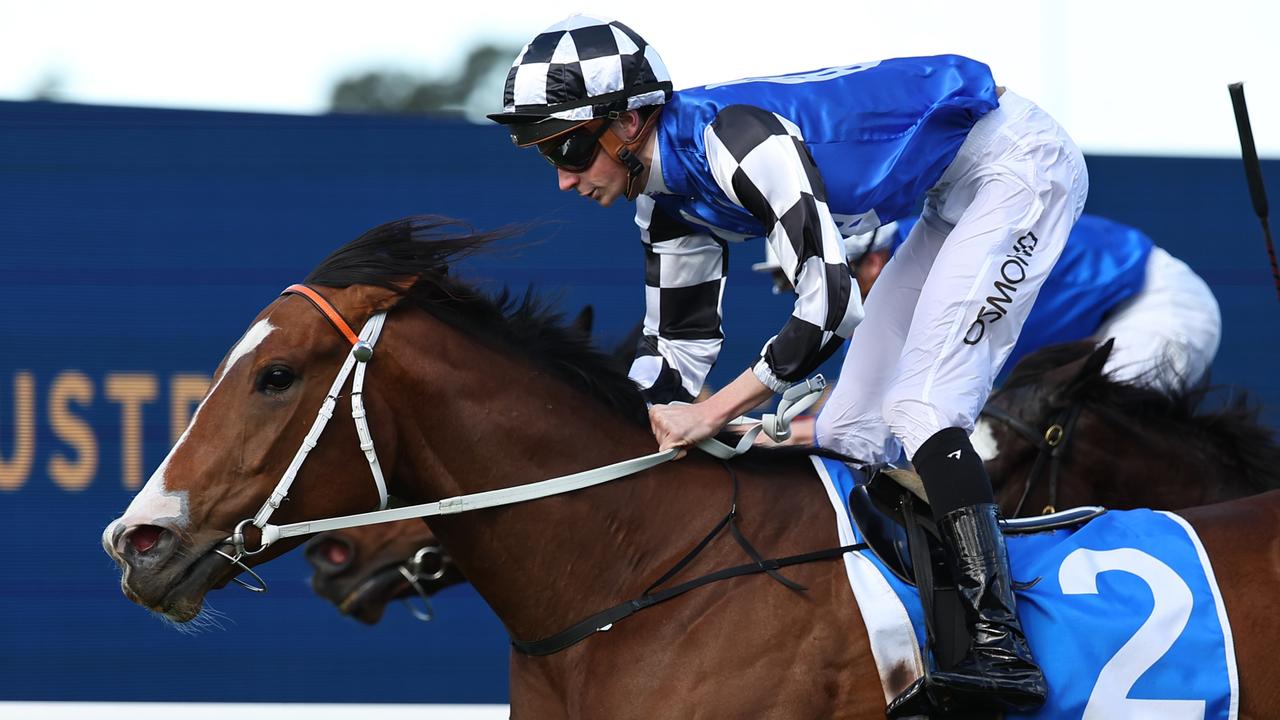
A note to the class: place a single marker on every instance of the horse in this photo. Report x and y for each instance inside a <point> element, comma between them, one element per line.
<point>1135,431</point>
<point>362,569</point>
<point>1060,433</point>
<point>468,393</point>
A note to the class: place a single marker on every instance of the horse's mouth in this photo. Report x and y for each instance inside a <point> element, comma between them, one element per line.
<point>183,597</point>
<point>369,599</point>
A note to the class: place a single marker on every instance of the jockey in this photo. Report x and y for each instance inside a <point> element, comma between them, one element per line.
<point>1110,282</point>
<point>802,160</point>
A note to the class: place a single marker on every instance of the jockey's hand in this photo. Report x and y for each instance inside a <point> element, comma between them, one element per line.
<point>681,426</point>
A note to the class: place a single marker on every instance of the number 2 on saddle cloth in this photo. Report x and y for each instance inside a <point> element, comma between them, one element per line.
<point>1123,612</point>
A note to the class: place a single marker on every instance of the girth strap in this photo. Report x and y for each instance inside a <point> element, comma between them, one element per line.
<point>605,619</point>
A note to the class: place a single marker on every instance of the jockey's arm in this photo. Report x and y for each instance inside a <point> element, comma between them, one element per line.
<point>760,162</point>
<point>684,281</point>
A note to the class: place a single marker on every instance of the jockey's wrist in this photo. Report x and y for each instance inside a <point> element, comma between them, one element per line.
<point>736,398</point>
<point>765,375</point>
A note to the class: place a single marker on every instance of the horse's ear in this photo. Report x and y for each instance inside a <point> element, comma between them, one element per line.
<point>584,322</point>
<point>625,351</point>
<point>1091,369</point>
<point>1098,358</point>
<point>369,299</point>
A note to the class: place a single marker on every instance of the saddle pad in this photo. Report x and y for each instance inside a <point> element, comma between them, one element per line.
<point>1125,618</point>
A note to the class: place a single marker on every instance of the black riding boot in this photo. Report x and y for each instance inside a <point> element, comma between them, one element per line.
<point>998,672</point>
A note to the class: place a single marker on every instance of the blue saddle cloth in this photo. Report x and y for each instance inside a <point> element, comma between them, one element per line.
<point>1125,616</point>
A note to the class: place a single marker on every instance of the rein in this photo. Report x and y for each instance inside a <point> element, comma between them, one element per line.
<point>796,400</point>
<point>1051,445</point>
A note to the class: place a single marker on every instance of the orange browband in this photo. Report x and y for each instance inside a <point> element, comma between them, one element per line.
<point>326,308</point>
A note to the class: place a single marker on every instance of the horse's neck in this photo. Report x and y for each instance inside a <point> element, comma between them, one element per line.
<point>1138,467</point>
<point>544,564</point>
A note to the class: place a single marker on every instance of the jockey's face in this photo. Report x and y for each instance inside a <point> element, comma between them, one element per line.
<point>604,180</point>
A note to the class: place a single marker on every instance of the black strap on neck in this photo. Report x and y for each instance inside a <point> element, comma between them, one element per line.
<point>605,619</point>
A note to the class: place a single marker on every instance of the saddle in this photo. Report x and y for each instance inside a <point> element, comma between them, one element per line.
<point>893,517</point>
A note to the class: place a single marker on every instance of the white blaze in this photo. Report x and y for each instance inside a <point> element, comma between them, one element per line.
<point>155,502</point>
<point>984,441</point>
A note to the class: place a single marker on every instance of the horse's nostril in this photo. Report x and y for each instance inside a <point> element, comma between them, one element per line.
<point>144,537</point>
<point>330,554</point>
<point>336,553</point>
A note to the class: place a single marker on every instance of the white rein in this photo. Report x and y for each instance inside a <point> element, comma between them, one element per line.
<point>797,399</point>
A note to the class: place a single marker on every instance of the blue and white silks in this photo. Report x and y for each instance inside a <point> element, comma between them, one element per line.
<point>1126,619</point>
<point>881,133</point>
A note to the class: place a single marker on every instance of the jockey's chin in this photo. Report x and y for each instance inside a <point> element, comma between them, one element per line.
<point>603,182</point>
<point>605,197</point>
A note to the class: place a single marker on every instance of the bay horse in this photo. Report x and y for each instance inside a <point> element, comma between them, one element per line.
<point>1060,433</point>
<point>470,394</point>
<point>362,569</point>
<point>1159,450</point>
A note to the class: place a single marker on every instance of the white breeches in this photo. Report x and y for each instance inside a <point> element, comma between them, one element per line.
<point>947,309</point>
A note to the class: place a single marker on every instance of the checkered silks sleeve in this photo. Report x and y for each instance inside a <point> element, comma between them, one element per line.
<point>684,281</point>
<point>760,161</point>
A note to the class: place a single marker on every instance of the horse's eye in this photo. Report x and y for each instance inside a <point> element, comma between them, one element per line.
<point>276,379</point>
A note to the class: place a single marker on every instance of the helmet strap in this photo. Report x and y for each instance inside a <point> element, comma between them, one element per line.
<point>625,152</point>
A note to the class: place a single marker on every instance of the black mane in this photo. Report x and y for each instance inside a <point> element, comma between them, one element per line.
<point>412,256</point>
<point>1233,431</point>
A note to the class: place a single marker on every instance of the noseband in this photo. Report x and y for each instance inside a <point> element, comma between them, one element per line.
<point>1051,445</point>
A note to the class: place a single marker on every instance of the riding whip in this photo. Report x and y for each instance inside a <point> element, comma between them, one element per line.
<point>1253,173</point>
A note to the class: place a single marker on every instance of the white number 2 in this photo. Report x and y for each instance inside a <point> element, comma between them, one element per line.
<point>1078,575</point>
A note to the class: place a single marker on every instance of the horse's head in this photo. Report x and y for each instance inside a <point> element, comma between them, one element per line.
<point>438,405</point>
<point>362,569</point>
<point>265,395</point>
<point>1034,410</point>
<point>172,541</point>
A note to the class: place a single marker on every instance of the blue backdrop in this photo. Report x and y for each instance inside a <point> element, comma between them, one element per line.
<point>138,244</point>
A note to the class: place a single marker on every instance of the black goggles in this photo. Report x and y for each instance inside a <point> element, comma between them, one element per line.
<point>574,151</point>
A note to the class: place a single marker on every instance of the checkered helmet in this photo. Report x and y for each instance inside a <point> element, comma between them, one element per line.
<point>577,70</point>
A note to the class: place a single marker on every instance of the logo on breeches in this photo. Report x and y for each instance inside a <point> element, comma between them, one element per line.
<point>1012,272</point>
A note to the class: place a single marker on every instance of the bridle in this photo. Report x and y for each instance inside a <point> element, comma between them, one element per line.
<point>357,359</point>
<point>415,573</point>
<point>1051,445</point>
<point>796,400</point>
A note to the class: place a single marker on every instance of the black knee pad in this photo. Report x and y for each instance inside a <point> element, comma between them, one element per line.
<point>952,472</point>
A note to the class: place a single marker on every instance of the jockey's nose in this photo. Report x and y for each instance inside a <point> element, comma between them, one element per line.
<point>145,546</point>
<point>330,554</point>
<point>567,180</point>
